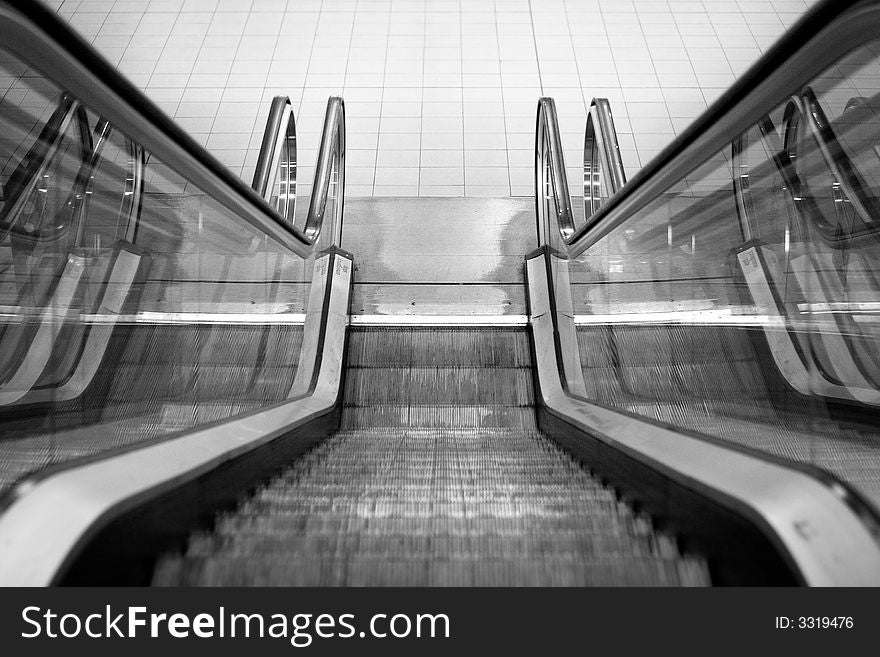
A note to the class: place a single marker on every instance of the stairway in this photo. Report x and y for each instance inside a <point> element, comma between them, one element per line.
<point>438,476</point>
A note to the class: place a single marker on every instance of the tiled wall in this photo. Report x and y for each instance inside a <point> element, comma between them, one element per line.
<point>440,94</point>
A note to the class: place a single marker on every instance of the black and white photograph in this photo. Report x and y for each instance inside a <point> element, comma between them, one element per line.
<point>437,308</point>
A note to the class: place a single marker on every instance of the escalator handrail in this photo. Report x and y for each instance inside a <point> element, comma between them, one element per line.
<point>548,153</point>
<point>280,125</point>
<point>331,157</point>
<point>803,52</point>
<point>39,37</point>
<point>600,125</point>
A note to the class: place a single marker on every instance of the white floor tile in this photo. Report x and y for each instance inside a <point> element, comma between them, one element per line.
<point>445,90</point>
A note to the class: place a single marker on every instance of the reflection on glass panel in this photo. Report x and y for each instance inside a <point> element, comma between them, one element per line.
<point>132,305</point>
<point>744,302</point>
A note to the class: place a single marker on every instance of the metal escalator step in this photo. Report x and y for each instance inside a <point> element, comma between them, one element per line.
<point>410,525</point>
<point>439,385</point>
<point>283,344</point>
<point>360,571</point>
<point>419,377</point>
<point>709,344</point>
<point>203,363</point>
<point>231,345</point>
<point>438,476</point>
<point>458,416</point>
<point>204,343</point>
<point>595,347</point>
<point>148,382</point>
<point>158,344</point>
<point>572,548</point>
<point>715,381</point>
<point>728,380</point>
<point>425,347</point>
<point>647,345</point>
<point>671,365</point>
<point>432,507</point>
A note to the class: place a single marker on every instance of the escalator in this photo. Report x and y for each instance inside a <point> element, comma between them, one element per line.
<point>737,301</point>
<point>204,384</point>
<point>129,329</point>
<point>439,476</point>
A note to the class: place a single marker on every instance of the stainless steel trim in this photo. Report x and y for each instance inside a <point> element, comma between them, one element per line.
<point>572,376</point>
<point>311,341</point>
<point>439,320</point>
<point>810,522</point>
<point>43,527</point>
<point>158,317</point>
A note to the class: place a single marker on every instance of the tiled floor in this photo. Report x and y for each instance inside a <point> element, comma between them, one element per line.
<point>440,94</point>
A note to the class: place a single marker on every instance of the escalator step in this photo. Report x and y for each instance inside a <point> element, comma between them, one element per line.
<point>427,347</point>
<point>439,385</point>
<point>432,507</point>
<point>460,415</point>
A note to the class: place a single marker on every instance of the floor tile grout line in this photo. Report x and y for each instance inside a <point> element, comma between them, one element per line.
<point>229,74</point>
<point>130,36</point>
<point>422,103</point>
<point>501,91</point>
<point>537,52</point>
<point>192,72</point>
<point>586,106</point>
<point>382,97</point>
<point>461,66</point>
